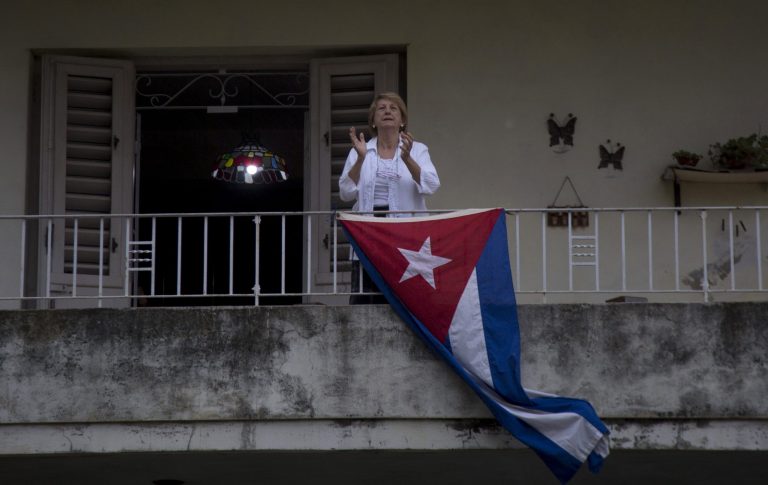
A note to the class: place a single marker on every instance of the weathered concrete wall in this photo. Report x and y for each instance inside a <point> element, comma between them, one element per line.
<point>221,364</point>
<point>314,362</point>
<point>652,360</point>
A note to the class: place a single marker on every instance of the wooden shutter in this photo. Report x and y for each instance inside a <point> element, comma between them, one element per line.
<point>86,168</point>
<point>342,91</point>
<point>350,97</point>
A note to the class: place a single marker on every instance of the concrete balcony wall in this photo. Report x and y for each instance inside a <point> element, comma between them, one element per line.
<point>317,377</point>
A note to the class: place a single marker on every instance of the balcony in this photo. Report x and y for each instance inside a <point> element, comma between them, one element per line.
<point>219,350</point>
<point>557,255</point>
<point>681,384</point>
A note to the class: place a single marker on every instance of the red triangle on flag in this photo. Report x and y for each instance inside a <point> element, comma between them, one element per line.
<point>458,237</point>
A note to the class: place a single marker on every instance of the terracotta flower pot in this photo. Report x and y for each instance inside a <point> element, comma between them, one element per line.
<point>687,161</point>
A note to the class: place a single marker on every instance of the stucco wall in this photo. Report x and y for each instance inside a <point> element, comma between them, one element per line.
<point>677,377</point>
<point>482,77</point>
<point>315,362</point>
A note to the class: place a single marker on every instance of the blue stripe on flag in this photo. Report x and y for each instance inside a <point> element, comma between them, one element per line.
<point>499,312</point>
<point>595,462</point>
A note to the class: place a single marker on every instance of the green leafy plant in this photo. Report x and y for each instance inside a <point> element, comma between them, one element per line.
<point>741,152</point>
<point>761,159</point>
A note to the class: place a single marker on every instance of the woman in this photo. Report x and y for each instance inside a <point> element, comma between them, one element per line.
<point>390,172</point>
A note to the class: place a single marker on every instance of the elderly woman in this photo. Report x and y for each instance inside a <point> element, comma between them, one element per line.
<point>391,171</point>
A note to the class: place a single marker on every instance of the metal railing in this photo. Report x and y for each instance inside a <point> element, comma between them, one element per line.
<point>562,254</point>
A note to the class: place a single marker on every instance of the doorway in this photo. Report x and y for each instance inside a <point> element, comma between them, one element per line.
<point>183,114</point>
<point>181,138</point>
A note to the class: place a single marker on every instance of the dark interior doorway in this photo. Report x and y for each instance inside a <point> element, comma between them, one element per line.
<point>179,149</point>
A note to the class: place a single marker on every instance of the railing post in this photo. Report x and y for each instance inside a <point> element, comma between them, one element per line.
<point>570,251</point>
<point>231,253</point>
<point>650,251</point>
<point>676,217</point>
<point>127,255</point>
<point>544,255</point>
<point>517,248</point>
<point>101,260</point>
<point>730,250</point>
<point>49,239</point>
<point>597,251</point>
<point>309,253</point>
<point>23,257</point>
<point>74,255</point>
<point>335,249</point>
<point>282,254</point>
<point>759,251</point>
<point>153,257</point>
<point>705,282</point>
<point>623,253</point>
<point>256,285</point>
<point>359,278</point>
<point>178,256</point>
<point>205,255</point>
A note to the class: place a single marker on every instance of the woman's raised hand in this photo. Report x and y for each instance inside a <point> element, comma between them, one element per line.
<point>358,142</point>
<point>407,143</point>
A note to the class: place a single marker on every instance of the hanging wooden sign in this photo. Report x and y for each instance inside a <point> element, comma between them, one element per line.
<point>560,218</point>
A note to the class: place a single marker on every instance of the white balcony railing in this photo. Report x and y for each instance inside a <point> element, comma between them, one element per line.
<point>557,255</point>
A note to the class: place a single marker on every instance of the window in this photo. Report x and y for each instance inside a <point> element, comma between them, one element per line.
<point>87,153</point>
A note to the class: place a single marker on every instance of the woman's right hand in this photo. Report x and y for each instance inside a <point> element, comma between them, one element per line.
<point>358,142</point>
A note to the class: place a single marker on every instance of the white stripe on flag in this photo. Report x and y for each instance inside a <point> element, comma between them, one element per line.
<point>534,394</point>
<point>602,448</point>
<point>570,431</point>
<point>467,336</point>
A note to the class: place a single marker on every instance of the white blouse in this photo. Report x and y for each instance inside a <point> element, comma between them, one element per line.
<point>404,192</point>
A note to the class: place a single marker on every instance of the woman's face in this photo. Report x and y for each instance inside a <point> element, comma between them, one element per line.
<point>387,115</point>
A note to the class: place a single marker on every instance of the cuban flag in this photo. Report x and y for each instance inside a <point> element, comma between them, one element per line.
<point>449,279</point>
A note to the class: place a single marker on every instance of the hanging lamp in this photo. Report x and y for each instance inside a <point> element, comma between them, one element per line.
<point>250,163</point>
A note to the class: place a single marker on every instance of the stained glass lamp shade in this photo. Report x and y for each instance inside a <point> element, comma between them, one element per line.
<point>250,163</point>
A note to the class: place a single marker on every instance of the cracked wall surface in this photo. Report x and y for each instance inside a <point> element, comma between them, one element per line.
<point>632,361</point>
<point>312,362</point>
<point>664,376</point>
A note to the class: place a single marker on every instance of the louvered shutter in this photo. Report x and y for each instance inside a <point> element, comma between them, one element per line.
<point>344,89</point>
<point>89,166</point>
<point>351,96</point>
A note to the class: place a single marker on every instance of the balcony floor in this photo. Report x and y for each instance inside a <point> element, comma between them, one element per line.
<point>489,467</point>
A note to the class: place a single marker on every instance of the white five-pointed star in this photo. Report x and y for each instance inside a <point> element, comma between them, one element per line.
<point>422,263</point>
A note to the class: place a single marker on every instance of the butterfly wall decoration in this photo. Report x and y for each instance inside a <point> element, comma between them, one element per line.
<point>561,134</point>
<point>612,156</point>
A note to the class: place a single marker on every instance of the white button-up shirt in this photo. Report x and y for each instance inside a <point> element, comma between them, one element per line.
<point>404,192</point>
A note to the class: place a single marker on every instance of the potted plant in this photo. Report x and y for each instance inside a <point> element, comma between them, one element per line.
<point>761,158</point>
<point>686,158</point>
<point>736,153</point>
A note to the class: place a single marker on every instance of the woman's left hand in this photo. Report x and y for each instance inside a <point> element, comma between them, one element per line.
<point>405,153</point>
<point>407,143</point>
